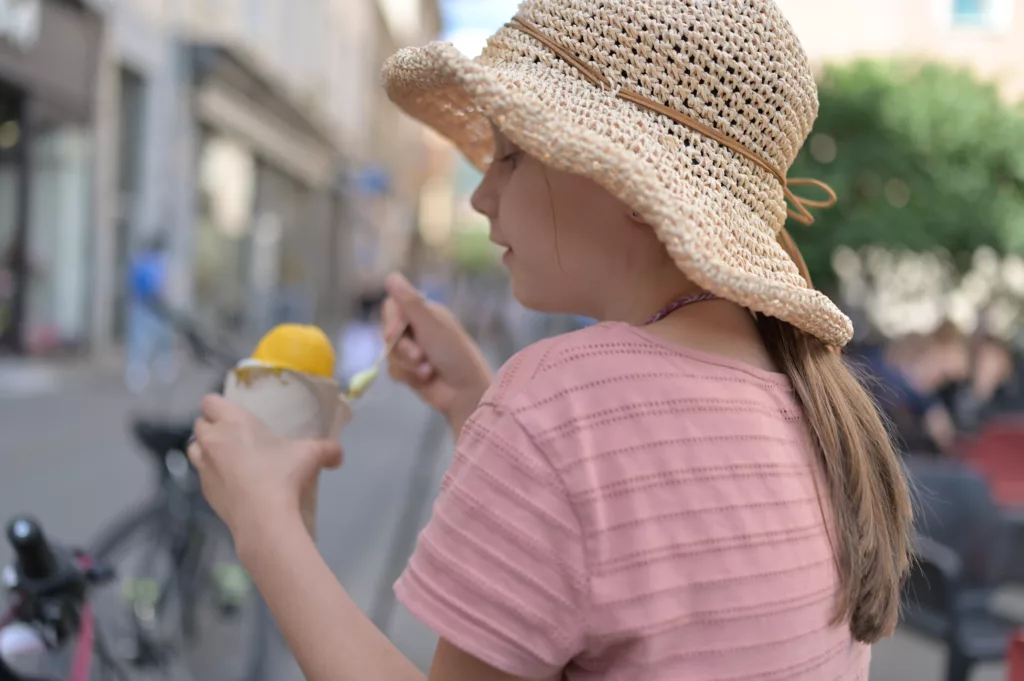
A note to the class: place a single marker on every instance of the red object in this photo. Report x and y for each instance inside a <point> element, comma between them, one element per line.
<point>1015,658</point>
<point>81,663</point>
<point>998,454</point>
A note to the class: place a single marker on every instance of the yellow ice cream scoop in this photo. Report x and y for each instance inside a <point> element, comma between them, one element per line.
<point>297,347</point>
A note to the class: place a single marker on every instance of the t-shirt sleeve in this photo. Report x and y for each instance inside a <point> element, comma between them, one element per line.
<point>500,571</point>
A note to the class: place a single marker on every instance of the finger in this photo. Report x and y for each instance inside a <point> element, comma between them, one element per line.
<point>410,351</point>
<point>402,365</point>
<point>391,319</point>
<point>401,373</point>
<point>326,453</point>
<point>215,408</point>
<point>413,375</point>
<point>425,371</point>
<point>411,303</point>
<point>195,455</point>
<point>201,430</point>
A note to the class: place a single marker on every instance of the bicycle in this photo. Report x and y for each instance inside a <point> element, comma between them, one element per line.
<point>184,559</point>
<point>50,587</point>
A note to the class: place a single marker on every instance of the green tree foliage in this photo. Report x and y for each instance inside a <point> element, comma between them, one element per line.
<point>922,156</point>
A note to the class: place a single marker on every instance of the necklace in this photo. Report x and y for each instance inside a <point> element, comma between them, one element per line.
<point>680,303</point>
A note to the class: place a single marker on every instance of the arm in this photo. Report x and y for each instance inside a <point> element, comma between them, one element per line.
<point>461,412</point>
<point>327,632</point>
<point>329,635</point>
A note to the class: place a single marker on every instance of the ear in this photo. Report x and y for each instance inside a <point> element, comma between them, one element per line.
<point>634,216</point>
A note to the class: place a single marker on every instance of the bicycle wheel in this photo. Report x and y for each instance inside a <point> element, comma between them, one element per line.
<point>180,608</point>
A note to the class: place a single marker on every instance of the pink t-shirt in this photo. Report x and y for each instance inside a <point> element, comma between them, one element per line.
<point>623,508</point>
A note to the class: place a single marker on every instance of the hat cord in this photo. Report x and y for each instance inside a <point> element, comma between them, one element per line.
<point>799,212</point>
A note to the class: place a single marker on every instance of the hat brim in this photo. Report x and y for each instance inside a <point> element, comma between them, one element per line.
<point>716,239</point>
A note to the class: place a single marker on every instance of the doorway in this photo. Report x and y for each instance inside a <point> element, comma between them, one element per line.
<point>13,193</point>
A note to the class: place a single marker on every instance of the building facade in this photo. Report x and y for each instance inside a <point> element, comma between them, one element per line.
<point>249,123</point>
<point>240,134</point>
<point>985,35</point>
<point>49,59</point>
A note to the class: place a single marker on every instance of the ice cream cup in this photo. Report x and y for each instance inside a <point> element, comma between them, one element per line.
<point>293,405</point>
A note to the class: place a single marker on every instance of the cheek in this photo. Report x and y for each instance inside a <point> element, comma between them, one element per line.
<point>524,213</point>
<point>591,245</point>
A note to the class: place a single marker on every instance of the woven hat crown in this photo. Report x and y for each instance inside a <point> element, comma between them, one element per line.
<point>734,65</point>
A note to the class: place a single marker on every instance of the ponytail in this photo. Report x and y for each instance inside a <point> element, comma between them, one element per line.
<point>866,489</point>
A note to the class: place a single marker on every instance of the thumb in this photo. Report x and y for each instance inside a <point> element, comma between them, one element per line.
<point>409,300</point>
<point>325,453</point>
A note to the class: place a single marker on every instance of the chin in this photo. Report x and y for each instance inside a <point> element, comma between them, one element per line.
<point>538,297</point>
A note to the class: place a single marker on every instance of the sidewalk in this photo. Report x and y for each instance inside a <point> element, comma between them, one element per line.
<point>28,377</point>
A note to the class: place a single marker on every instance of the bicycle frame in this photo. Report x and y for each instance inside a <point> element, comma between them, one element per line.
<point>65,592</point>
<point>180,524</point>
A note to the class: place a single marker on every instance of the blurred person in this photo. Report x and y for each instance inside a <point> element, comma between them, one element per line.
<point>150,338</point>
<point>995,376</point>
<point>993,386</point>
<point>683,490</point>
<point>909,377</point>
<point>931,368</point>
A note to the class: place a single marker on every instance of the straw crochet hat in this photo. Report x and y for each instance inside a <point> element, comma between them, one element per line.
<point>690,111</point>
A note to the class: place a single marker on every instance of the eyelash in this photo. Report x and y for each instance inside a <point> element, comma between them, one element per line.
<point>511,157</point>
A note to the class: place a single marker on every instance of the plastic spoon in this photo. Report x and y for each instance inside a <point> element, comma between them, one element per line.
<point>362,381</point>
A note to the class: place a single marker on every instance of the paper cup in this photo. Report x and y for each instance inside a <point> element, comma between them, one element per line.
<point>294,406</point>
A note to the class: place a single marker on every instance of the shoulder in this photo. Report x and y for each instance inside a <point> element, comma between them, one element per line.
<point>555,360</point>
<point>535,390</point>
<point>612,376</point>
<point>614,359</point>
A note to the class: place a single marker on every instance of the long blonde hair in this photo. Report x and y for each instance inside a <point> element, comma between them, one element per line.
<point>866,488</point>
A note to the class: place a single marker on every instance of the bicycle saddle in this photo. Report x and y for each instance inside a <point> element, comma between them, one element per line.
<point>162,437</point>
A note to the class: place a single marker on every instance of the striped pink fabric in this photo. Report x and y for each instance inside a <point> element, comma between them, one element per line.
<point>621,508</point>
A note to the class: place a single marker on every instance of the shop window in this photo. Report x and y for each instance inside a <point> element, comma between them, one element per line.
<point>987,14</point>
<point>227,172</point>
<point>58,237</point>
<point>969,12</point>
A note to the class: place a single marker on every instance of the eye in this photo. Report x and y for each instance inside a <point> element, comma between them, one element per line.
<point>511,157</point>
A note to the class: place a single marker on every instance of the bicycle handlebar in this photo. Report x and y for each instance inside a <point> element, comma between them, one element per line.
<point>50,584</point>
<point>35,556</point>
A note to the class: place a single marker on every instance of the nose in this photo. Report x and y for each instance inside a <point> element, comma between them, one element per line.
<point>485,198</point>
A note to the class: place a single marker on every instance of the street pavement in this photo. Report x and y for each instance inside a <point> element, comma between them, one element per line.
<point>67,459</point>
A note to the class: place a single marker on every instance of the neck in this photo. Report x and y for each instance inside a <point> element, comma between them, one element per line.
<point>637,304</point>
<point>716,327</point>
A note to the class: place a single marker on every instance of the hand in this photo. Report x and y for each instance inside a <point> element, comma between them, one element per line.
<point>248,472</point>
<point>439,361</point>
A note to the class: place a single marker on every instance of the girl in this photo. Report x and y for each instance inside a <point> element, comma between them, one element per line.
<point>694,488</point>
